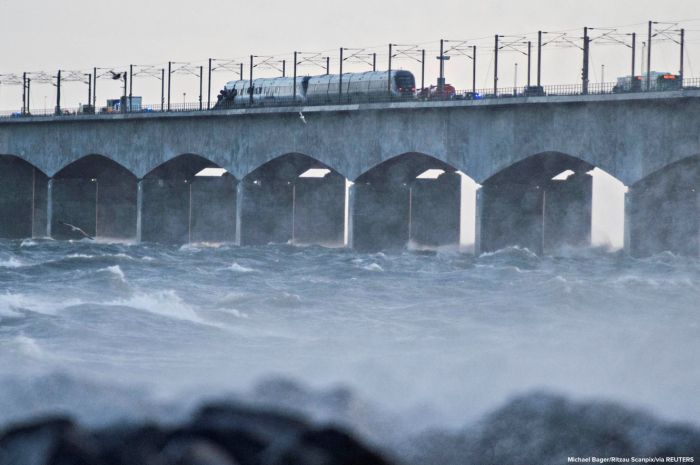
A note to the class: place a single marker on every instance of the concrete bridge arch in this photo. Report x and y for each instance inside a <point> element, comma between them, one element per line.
<point>188,198</point>
<point>96,194</point>
<point>293,197</point>
<point>408,199</point>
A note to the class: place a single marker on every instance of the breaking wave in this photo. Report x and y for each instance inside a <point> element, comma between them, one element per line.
<point>434,340</point>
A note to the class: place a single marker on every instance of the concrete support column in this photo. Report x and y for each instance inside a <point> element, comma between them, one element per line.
<point>49,207</point>
<point>478,222</point>
<point>664,215</point>
<point>165,210</point>
<point>568,212</point>
<point>266,213</point>
<point>212,211</point>
<point>627,244</point>
<point>319,210</point>
<point>540,218</point>
<point>435,210</point>
<point>139,210</point>
<point>511,215</point>
<point>380,216</point>
<point>350,214</point>
<point>240,198</point>
<point>39,203</point>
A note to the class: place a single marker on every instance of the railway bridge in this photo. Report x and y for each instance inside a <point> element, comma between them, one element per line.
<point>355,174</point>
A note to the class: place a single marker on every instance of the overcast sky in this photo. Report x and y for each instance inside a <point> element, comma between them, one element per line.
<point>45,35</point>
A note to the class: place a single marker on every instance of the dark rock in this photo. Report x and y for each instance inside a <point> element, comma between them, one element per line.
<point>55,441</point>
<point>219,434</point>
<point>546,429</point>
<point>195,451</point>
<point>132,444</point>
<point>326,446</point>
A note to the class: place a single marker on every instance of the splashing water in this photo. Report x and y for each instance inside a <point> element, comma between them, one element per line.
<point>443,334</point>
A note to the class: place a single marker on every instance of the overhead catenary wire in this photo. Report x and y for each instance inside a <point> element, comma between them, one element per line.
<point>560,38</point>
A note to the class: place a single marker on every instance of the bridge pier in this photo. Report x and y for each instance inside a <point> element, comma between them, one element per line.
<point>188,199</point>
<point>181,211</point>
<point>96,195</point>
<point>663,212</point>
<point>412,200</point>
<point>541,215</point>
<point>435,210</point>
<point>380,216</point>
<point>22,200</point>
<point>292,199</point>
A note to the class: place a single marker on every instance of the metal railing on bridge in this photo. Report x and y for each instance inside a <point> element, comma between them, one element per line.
<point>426,95</point>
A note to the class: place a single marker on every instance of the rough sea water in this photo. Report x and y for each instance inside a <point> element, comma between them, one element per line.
<point>393,346</point>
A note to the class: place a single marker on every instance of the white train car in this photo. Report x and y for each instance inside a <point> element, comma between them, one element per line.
<point>356,87</point>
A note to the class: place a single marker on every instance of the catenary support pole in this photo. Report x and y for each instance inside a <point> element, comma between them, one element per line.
<point>422,69</point>
<point>648,86</point>
<point>539,58</point>
<point>681,72</point>
<point>24,93</point>
<point>495,67</point>
<point>529,61</point>
<point>209,87</point>
<point>340,79</point>
<point>201,79</point>
<point>58,93</point>
<point>441,80</point>
<point>634,56</point>
<point>474,69</point>
<point>89,99</point>
<point>94,88</point>
<point>389,79</point>
<point>131,87</point>
<point>170,72</point>
<point>124,95</point>
<point>251,89</point>
<point>584,69</point>
<point>294,85</point>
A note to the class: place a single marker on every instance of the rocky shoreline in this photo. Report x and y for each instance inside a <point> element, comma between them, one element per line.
<point>284,423</point>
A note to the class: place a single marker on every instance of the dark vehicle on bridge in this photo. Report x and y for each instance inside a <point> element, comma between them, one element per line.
<point>329,88</point>
<point>534,91</point>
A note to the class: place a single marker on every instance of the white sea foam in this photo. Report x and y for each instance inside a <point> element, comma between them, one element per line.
<point>165,303</point>
<point>11,303</point>
<point>240,268</point>
<point>373,267</point>
<point>27,346</point>
<point>12,262</point>
<point>116,271</point>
